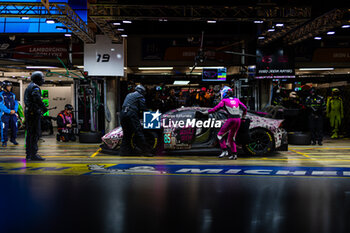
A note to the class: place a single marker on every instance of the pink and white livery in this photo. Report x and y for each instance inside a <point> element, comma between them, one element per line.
<point>266,134</point>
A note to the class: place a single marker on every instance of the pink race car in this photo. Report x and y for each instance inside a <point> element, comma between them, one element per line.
<point>186,130</point>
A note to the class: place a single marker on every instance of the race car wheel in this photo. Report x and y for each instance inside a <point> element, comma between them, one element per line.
<point>261,142</point>
<point>152,139</point>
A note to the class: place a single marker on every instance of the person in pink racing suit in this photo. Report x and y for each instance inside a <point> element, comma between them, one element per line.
<point>231,106</point>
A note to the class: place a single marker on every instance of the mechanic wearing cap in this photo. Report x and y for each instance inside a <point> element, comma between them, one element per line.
<point>34,107</point>
<point>316,106</point>
<point>66,124</point>
<point>134,104</point>
<point>335,111</point>
<point>9,108</point>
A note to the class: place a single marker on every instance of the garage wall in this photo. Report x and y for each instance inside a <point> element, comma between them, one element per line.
<point>58,96</point>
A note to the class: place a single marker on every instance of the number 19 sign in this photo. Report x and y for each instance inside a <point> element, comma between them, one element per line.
<point>104,58</point>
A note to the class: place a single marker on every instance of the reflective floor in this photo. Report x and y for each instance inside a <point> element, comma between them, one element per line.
<point>78,189</point>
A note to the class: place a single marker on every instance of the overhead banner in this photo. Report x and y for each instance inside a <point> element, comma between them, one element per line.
<point>331,55</point>
<point>104,58</point>
<point>274,63</point>
<point>180,49</point>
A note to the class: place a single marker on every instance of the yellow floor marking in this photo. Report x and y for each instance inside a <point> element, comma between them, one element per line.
<point>58,145</point>
<point>96,153</point>
<point>328,154</point>
<point>47,156</point>
<point>319,148</point>
<point>300,153</point>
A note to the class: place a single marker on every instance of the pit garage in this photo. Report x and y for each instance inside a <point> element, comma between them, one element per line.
<point>280,70</point>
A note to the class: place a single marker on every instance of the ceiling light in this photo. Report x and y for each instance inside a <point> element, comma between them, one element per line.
<point>258,21</point>
<point>156,68</point>
<point>116,24</point>
<point>271,30</point>
<point>279,25</point>
<point>127,21</point>
<point>330,33</point>
<point>41,67</point>
<point>24,17</point>
<point>345,26</point>
<point>163,20</point>
<point>318,38</point>
<point>61,28</point>
<point>208,67</point>
<point>261,37</point>
<point>68,35</point>
<point>211,21</point>
<point>181,82</point>
<point>316,68</point>
<point>124,35</point>
<point>50,21</point>
<point>120,29</point>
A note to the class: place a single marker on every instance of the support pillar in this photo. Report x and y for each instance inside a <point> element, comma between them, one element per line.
<point>111,100</point>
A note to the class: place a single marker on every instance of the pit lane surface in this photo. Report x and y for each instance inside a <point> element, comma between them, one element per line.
<point>78,189</point>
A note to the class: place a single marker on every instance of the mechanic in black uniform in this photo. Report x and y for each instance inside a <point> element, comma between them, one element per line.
<point>34,107</point>
<point>134,104</point>
<point>316,107</point>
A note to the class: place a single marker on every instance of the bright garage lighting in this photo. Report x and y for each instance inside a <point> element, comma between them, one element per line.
<point>50,21</point>
<point>181,82</point>
<point>316,68</point>
<point>156,68</point>
<point>41,67</point>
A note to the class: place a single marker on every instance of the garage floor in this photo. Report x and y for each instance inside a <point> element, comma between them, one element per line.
<point>78,189</point>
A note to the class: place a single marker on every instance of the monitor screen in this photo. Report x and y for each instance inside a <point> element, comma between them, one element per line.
<point>274,63</point>
<point>211,74</point>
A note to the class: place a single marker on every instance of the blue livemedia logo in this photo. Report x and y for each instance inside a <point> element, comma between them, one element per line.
<point>151,120</point>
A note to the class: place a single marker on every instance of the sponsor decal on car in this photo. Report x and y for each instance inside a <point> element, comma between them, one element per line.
<point>167,138</point>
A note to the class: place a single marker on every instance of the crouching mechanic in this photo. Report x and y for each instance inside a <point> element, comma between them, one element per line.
<point>9,108</point>
<point>231,106</point>
<point>66,124</point>
<point>134,104</point>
